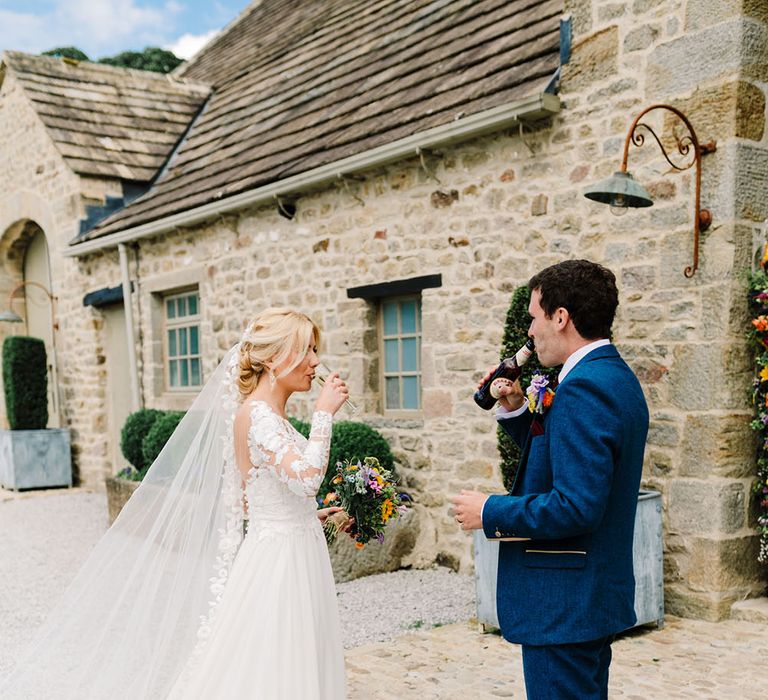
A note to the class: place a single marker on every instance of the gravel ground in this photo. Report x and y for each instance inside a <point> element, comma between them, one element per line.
<point>45,535</point>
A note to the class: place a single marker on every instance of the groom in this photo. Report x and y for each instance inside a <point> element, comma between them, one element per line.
<point>565,581</point>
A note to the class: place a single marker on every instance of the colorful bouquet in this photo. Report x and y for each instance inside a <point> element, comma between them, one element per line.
<point>367,494</point>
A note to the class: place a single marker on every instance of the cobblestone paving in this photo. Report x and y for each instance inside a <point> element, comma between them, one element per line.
<point>688,659</point>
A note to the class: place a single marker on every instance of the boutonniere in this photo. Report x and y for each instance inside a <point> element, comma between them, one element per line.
<point>540,394</point>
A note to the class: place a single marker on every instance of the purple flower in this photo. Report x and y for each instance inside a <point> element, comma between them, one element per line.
<point>380,537</point>
<point>539,382</point>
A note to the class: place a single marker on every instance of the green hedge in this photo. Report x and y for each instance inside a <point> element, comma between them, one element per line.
<point>135,429</point>
<point>143,436</point>
<point>515,334</point>
<point>25,380</point>
<point>158,435</point>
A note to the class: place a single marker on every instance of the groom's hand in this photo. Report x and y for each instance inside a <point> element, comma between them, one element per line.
<point>468,508</point>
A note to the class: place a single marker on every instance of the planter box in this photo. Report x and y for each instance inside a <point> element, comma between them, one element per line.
<point>35,459</point>
<point>648,556</point>
<point>118,493</point>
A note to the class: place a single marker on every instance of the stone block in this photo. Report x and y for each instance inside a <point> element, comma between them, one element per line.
<point>735,108</point>
<point>682,601</point>
<point>723,565</point>
<point>700,14</point>
<point>751,610</point>
<point>641,37</point>
<point>436,403</point>
<point>349,563</point>
<point>712,506</point>
<point>721,445</point>
<point>738,47</point>
<point>593,58</point>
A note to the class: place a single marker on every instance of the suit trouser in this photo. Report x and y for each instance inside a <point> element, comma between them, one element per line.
<point>568,671</point>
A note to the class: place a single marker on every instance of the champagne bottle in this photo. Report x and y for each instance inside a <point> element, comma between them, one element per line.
<point>509,368</point>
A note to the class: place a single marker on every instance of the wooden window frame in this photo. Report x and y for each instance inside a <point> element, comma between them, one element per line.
<point>383,374</point>
<point>171,324</point>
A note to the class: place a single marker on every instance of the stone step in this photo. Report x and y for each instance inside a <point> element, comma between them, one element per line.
<point>751,610</point>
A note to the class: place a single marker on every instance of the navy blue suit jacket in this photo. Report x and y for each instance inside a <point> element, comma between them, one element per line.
<point>574,496</point>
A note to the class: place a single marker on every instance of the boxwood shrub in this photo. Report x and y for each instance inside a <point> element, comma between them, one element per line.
<point>25,380</point>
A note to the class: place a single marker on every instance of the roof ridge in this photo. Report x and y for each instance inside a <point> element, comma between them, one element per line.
<point>95,67</point>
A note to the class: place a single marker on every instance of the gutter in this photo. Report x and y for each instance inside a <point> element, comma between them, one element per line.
<point>529,109</point>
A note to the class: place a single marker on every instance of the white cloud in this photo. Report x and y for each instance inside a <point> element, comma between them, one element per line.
<point>187,45</point>
<point>98,27</point>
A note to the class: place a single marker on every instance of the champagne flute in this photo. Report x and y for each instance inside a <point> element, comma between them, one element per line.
<point>321,374</point>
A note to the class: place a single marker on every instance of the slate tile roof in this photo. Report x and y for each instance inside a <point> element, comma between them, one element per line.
<point>106,121</point>
<point>302,83</point>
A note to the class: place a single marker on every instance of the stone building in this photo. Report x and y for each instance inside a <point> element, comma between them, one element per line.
<point>396,170</point>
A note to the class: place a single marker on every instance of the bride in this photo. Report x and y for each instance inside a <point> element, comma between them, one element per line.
<point>174,602</point>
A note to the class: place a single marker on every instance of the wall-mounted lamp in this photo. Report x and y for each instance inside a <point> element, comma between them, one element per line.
<point>10,316</point>
<point>621,190</point>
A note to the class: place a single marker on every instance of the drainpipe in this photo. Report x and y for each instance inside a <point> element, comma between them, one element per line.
<point>133,368</point>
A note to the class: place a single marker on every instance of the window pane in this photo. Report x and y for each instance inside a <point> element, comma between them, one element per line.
<point>390,318</point>
<point>174,372</point>
<point>172,344</point>
<point>408,316</point>
<point>181,306</point>
<point>410,355</point>
<point>393,392</point>
<point>193,305</point>
<point>195,372</point>
<point>182,341</point>
<point>410,392</point>
<point>391,356</point>
<point>193,341</point>
<point>184,366</point>
<point>170,308</point>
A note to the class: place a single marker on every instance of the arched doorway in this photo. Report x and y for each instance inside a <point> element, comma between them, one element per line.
<point>24,258</point>
<point>37,268</point>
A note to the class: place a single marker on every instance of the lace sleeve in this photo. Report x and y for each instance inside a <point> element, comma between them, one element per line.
<point>272,446</point>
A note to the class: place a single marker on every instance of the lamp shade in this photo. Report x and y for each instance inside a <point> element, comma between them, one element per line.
<point>10,317</point>
<point>620,190</point>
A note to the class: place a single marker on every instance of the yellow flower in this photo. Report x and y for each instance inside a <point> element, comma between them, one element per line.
<point>386,509</point>
<point>764,374</point>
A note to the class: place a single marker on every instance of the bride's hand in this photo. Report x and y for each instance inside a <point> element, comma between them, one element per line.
<point>333,394</point>
<point>323,514</point>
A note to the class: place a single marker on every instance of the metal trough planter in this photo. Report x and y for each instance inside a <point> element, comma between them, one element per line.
<point>35,459</point>
<point>648,556</point>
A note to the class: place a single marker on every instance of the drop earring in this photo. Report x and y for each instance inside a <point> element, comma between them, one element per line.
<point>272,379</point>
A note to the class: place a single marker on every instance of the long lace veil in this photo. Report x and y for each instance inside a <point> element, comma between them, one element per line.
<point>143,601</point>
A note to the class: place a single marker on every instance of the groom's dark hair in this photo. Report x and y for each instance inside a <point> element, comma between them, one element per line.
<point>585,289</point>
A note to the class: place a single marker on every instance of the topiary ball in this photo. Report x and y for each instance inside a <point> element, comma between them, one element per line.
<point>135,429</point>
<point>158,435</point>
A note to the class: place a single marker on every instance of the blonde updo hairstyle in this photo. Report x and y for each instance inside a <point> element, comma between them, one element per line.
<point>269,339</point>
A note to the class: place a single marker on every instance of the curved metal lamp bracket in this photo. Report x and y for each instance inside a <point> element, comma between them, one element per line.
<point>702,217</point>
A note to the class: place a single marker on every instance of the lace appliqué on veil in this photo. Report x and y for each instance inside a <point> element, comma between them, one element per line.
<point>231,534</point>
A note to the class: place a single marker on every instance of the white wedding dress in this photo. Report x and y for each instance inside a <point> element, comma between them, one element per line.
<point>275,632</point>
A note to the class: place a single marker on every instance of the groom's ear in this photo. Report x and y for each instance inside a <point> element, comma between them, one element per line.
<point>562,317</point>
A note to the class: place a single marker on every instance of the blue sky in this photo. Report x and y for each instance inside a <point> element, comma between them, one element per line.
<point>106,27</point>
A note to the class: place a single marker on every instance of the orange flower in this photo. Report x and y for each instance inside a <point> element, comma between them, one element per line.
<point>761,323</point>
<point>359,545</point>
<point>330,496</point>
<point>548,397</point>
